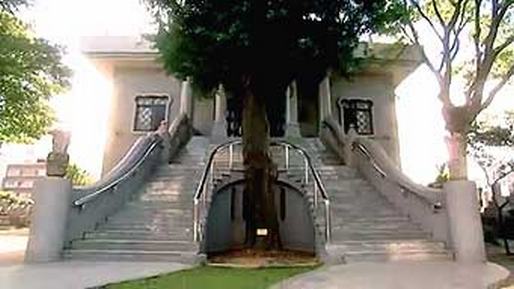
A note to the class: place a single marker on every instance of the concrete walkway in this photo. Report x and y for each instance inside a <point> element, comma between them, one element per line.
<point>14,274</point>
<point>401,275</point>
<point>78,275</point>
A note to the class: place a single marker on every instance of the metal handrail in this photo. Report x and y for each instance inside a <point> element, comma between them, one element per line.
<point>363,150</point>
<point>115,182</point>
<point>318,184</point>
<point>203,180</point>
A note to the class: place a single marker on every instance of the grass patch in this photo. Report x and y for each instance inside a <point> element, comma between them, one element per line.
<point>206,277</point>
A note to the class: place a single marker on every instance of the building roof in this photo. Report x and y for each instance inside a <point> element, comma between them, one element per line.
<point>96,45</point>
<point>399,60</point>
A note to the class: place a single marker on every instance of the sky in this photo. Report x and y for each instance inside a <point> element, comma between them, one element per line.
<point>83,110</point>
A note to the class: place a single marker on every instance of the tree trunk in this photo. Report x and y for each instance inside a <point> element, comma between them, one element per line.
<point>457,164</point>
<point>260,174</point>
<point>458,121</point>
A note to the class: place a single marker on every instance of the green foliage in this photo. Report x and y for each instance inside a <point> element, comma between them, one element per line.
<point>12,5</point>
<point>491,145</point>
<point>78,176</point>
<point>216,278</point>
<point>265,43</point>
<point>30,73</point>
<point>15,209</point>
<point>501,134</point>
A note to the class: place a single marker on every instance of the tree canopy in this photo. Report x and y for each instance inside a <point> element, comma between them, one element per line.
<point>30,73</point>
<point>272,42</point>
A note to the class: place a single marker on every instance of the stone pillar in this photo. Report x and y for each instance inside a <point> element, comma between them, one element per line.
<point>186,99</point>
<point>219,130</point>
<point>293,128</point>
<point>52,201</point>
<point>325,99</point>
<point>464,221</point>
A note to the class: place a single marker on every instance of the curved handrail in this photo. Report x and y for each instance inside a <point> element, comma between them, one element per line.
<point>208,167</point>
<point>313,170</point>
<point>413,188</point>
<point>90,197</point>
<point>205,174</point>
<point>403,184</point>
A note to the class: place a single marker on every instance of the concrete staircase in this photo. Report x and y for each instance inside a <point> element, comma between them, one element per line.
<point>365,225</point>
<point>157,225</point>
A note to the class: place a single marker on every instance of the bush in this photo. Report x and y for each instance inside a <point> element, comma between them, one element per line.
<point>14,209</point>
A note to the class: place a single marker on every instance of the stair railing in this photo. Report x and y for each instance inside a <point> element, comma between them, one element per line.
<point>206,186</point>
<point>309,172</point>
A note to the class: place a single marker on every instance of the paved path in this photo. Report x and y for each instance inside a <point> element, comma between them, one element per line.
<point>400,275</point>
<point>14,274</point>
<point>78,274</point>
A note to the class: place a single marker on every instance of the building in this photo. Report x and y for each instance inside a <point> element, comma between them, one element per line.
<point>144,95</point>
<point>20,178</point>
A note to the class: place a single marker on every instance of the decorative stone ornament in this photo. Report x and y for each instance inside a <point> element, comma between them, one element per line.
<point>58,159</point>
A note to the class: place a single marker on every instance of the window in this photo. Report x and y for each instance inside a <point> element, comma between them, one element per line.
<point>13,172</point>
<point>150,112</point>
<point>356,113</point>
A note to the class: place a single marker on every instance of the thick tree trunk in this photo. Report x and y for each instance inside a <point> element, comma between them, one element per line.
<point>458,120</point>
<point>260,174</point>
<point>457,164</point>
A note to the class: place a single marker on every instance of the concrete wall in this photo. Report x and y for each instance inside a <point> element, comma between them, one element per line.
<point>378,88</point>
<point>130,82</point>
<point>225,232</point>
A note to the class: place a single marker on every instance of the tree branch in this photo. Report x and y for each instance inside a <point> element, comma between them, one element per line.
<point>498,87</point>
<point>438,14</point>
<point>427,19</point>
<point>497,50</point>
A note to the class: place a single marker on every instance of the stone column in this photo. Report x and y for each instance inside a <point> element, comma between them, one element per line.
<point>219,130</point>
<point>465,225</point>
<point>325,99</point>
<point>52,201</point>
<point>293,128</point>
<point>186,98</point>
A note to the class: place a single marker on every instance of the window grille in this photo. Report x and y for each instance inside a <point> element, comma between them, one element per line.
<point>150,112</point>
<point>356,113</point>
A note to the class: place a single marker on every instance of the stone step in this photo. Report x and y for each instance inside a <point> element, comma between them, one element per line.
<point>183,234</point>
<point>385,226</point>
<point>145,224</point>
<point>338,235</point>
<point>133,255</point>
<point>137,245</point>
<point>353,257</point>
<point>387,245</point>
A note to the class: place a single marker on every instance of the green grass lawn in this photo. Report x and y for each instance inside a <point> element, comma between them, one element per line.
<point>214,278</point>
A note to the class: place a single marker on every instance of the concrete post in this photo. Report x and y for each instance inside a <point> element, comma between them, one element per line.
<point>464,221</point>
<point>292,129</point>
<point>325,99</point>
<point>219,130</point>
<point>186,99</point>
<point>52,201</point>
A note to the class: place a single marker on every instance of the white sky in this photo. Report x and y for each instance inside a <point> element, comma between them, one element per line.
<point>84,111</point>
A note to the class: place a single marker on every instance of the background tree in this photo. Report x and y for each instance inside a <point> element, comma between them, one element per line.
<point>490,23</point>
<point>30,73</point>
<point>255,49</point>
<point>492,147</point>
<point>78,176</point>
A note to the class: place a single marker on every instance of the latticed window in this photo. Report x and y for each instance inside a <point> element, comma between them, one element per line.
<point>357,113</point>
<point>150,112</point>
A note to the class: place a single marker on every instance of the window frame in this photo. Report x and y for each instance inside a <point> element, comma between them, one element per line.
<point>169,102</point>
<point>372,113</point>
